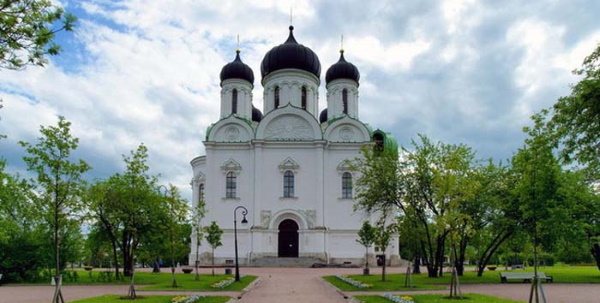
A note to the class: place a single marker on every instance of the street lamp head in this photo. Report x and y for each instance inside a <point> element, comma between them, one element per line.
<point>244,221</point>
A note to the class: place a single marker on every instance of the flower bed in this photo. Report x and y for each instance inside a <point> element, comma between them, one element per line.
<point>353,282</point>
<point>398,299</point>
<point>223,283</point>
<point>186,299</point>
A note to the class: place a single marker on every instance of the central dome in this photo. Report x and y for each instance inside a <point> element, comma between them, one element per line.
<point>290,54</point>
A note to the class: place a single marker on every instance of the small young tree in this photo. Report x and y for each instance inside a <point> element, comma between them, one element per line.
<point>383,235</point>
<point>366,237</point>
<point>59,182</point>
<point>197,230</point>
<point>213,237</point>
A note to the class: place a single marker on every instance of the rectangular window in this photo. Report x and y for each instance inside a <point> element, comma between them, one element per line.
<point>230,185</point>
<point>347,185</point>
<point>288,184</point>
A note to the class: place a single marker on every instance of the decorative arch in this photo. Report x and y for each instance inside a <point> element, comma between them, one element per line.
<point>347,129</point>
<point>289,123</point>
<point>231,129</point>
<point>288,214</point>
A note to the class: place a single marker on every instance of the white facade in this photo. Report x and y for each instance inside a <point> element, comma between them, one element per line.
<point>256,155</point>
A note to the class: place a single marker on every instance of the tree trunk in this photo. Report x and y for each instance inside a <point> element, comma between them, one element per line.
<point>417,265</point>
<point>383,268</point>
<point>127,255</point>
<point>196,261</point>
<point>459,262</point>
<point>490,250</point>
<point>596,253</point>
<point>213,262</point>
<point>115,259</point>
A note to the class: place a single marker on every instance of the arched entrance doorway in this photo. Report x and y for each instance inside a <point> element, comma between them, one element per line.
<point>288,239</point>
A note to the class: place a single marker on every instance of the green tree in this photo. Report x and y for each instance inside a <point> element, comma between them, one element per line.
<point>27,31</point>
<point>499,218</point>
<point>21,237</point>
<point>198,213</point>
<point>177,208</point>
<point>435,179</point>
<point>102,199</point>
<point>377,188</point>
<point>58,181</point>
<point>213,238</point>
<point>575,119</point>
<point>366,238</point>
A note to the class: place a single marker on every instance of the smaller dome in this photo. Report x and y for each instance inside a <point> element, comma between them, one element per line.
<point>237,70</point>
<point>256,114</point>
<point>323,116</point>
<point>342,70</point>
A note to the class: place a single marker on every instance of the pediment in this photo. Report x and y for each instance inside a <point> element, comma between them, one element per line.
<point>231,165</point>
<point>344,166</point>
<point>289,164</point>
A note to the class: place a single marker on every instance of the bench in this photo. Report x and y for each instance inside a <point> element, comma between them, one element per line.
<point>523,276</point>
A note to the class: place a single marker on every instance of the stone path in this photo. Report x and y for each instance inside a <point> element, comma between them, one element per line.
<point>291,285</point>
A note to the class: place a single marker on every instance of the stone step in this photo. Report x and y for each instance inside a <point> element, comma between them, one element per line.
<point>285,262</point>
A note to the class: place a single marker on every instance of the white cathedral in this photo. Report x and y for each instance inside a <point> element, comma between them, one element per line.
<point>289,167</point>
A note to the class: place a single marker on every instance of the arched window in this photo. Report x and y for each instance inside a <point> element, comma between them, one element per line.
<point>230,185</point>
<point>288,184</point>
<point>234,101</point>
<point>347,185</point>
<point>201,193</point>
<point>276,97</point>
<point>345,100</point>
<point>303,97</point>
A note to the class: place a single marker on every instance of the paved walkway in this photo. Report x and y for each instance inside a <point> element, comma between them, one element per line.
<point>291,285</point>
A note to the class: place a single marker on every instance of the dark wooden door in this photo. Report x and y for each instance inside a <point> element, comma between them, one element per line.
<point>288,239</point>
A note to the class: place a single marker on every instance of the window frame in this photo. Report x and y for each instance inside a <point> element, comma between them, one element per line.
<point>276,97</point>
<point>289,184</point>
<point>304,98</point>
<point>347,185</point>
<point>345,101</point>
<point>230,185</point>
<point>234,101</point>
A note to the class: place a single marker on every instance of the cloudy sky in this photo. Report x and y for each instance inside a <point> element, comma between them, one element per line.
<point>459,71</point>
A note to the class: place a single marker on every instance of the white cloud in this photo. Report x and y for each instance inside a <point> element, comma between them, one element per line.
<point>148,70</point>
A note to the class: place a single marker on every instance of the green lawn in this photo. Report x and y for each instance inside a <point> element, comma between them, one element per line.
<point>561,274</point>
<point>187,282</point>
<point>469,298</point>
<point>147,299</point>
<point>377,284</point>
<point>162,281</point>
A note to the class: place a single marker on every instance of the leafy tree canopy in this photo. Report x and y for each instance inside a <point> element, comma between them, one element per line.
<point>27,31</point>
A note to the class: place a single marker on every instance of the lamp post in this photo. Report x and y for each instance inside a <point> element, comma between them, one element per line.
<point>244,221</point>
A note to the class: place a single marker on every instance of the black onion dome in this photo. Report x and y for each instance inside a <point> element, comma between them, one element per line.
<point>342,70</point>
<point>290,54</point>
<point>237,69</point>
<point>256,114</point>
<point>323,116</point>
